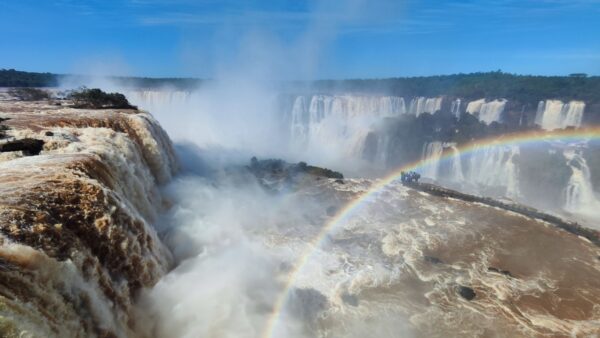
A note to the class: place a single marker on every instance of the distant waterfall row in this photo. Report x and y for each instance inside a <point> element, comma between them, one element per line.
<point>347,119</point>
<point>382,106</point>
<point>551,114</point>
<point>342,124</point>
<point>317,107</point>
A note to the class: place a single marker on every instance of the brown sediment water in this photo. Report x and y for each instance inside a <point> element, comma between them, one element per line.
<point>76,244</point>
<point>529,277</point>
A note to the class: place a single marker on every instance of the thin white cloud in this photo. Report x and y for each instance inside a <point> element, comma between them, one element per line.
<point>563,55</point>
<point>250,17</point>
<point>387,17</point>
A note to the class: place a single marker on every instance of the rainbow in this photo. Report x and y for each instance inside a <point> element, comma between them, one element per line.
<point>514,139</point>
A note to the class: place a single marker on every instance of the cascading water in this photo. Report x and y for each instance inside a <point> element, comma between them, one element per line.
<point>436,169</point>
<point>554,114</point>
<point>456,171</point>
<point>157,99</point>
<point>381,153</point>
<point>432,152</point>
<point>579,194</point>
<point>549,114</point>
<point>494,166</point>
<point>96,186</point>
<point>455,108</point>
<point>573,114</point>
<point>492,111</point>
<point>474,107</point>
<point>420,105</point>
<point>488,112</point>
<point>299,121</point>
<point>344,120</point>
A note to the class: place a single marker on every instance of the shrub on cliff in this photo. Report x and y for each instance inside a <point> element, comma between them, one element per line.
<point>324,172</point>
<point>29,94</point>
<point>97,99</point>
<point>279,167</point>
<point>3,128</point>
<point>316,171</point>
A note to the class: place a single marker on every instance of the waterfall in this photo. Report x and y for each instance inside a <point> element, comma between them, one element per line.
<point>432,152</point>
<point>474,107</point>
<point>340,122</point>
<point>579,194</point>
<point>381,153</point>
<point>299,120</point>
<point>539,115</point>
<point>420,105</point>
<point>455,170</point>
<point>152,100</point>
<point>84,243</point>
<point>492,111</point>
<point>455,108</point>
<point>554,114</point>
<point>494,166</point>
<point>550,115</point>
<point>436,168</point>
<point>487,112</point>
<point>573,114</point>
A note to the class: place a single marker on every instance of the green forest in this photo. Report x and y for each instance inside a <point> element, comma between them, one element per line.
<point>15,78</point>
<point>491,85</point>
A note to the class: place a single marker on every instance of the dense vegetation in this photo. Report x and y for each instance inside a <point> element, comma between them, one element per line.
<point>302,167</point>
<point>278,167</point>
<point>15,78</point>
<point>97,99</point>
<point>3,128</point>
<point>29,94</point>
<point>524,88</point>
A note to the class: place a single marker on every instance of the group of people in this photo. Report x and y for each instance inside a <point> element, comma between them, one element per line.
<point>409,177</point>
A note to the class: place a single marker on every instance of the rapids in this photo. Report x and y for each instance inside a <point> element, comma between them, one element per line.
<point>77,244</point>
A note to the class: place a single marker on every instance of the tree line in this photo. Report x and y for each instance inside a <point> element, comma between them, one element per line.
<point>490,85</point>
<point>16,78</point>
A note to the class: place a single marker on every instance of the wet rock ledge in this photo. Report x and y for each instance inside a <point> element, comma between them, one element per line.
<point>78,192</point>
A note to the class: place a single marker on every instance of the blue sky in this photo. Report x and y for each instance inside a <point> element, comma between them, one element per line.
<point>308,38</point>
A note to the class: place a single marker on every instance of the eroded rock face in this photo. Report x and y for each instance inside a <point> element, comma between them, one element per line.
<point>76,242</point>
